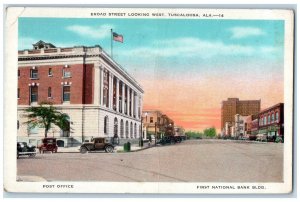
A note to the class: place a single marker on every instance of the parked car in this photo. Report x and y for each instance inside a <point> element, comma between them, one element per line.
<point>24,149</point>
<point>178,139</point>
<point>167,140</point>
<point>97,144</point>
<point>48,144</point>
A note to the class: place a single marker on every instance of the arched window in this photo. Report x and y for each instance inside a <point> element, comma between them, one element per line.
<point>105,124</point>
<point>116,127</point>
<point>131,130</point>
<point>277,116</point>
<point>272,118</point>
<point>269,118</point>
<point>126,129</point>
<point>135,130</point>
<point>122,129</point>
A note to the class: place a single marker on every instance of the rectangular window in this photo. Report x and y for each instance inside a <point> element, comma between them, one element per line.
<point>66,93</point>
<point>66,74</point>
<point>126,99</point>
<point>276,117</point>
<point>105,96</point>
<point>151,119</point>
<point>33,94</point>
<point>18,93</point>
<point>50,73</point>
<point>33,73</point>
<point>49,92</point>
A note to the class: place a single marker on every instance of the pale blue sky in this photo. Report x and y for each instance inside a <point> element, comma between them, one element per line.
<point>165,40</point>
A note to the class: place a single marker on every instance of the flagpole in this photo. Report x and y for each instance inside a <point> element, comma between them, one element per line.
<point>111,43</point>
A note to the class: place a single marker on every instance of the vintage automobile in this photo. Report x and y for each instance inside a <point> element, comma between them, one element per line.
<point>178,139</point>
<point>97,144</point>
<point>24,149</point>
<point>167,140</point>
<point>48,144</point>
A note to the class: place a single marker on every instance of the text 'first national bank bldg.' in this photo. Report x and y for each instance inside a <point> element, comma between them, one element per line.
<point>98,95</point>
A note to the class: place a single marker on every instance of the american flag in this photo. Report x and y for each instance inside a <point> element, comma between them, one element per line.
<point>117,37</point>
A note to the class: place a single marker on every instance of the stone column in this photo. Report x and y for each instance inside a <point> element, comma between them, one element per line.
<point>128,94</point>
<point>117,95</point>
<point>110,100</point>
<point>123,97</point>
<point>132,97</point>
<point>136,106</point>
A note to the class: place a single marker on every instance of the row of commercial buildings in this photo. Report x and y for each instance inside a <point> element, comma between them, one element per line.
<point>158,124</point>
<point>98,95</point>
<point>245,119</point>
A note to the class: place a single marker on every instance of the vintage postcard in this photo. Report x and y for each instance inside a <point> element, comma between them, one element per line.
<point>148,100</point>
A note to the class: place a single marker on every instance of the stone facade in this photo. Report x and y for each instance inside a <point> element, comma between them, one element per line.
<point>87,85</point>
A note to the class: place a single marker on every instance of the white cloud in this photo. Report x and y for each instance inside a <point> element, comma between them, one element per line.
<point>243,32</point>
<point>191,47</point>
<point>96,32</point>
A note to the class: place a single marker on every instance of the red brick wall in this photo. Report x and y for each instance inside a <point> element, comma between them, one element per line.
<point>89,84</point>
<point>45,81</point>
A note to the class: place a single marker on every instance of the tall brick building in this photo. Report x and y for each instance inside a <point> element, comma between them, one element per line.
<point>233,106</point>
<point>99,96</point>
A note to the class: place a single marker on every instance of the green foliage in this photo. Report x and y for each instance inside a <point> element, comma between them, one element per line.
<point>210,132</point>
<point>194,135</point>
<point>45,115</point>
<point>207,133</point>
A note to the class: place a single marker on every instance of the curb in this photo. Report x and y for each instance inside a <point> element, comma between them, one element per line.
<point>141,149</point>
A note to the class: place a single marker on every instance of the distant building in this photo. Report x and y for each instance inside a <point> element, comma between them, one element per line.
<point>251,127</point>
<point>156,121</point>
<point>227,129</point>
<point>239,125</point>
<point>271,122</point>
<point>233,106</point>
<point>98,95</point>
<point>152,121</point>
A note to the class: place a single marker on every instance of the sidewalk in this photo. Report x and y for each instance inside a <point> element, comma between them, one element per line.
<point>118,148</point>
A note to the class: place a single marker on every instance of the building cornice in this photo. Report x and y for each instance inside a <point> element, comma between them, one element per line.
<point>78,52</point>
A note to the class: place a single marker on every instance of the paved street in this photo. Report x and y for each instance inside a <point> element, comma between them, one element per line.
<point>189,161</point>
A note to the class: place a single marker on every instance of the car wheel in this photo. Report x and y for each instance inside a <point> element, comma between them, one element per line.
<point>32,155</point>
<point>18,155</point>
<point>83,150</point>
<point>109,149</point>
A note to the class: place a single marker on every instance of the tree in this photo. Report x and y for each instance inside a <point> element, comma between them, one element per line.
<point>210,132</point>
<point>193,135</point>
<point>45,115</point>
